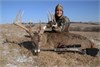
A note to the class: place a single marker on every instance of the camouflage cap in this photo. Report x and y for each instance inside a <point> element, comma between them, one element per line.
<point>59,6</point>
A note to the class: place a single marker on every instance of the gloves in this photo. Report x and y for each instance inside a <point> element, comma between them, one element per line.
<point>62,26</point>
<point>54,25</point>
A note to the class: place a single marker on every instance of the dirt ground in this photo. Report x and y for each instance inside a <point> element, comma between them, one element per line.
<point>12,54</point>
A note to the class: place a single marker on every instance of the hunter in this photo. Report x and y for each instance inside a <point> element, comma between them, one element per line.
<point>59,20</point>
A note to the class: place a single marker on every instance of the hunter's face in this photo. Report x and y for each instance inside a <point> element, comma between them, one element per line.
<point>59,12</point>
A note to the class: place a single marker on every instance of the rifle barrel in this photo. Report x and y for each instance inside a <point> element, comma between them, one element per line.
<point>62,50</point>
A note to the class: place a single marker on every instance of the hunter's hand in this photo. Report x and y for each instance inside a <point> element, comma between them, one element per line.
<point>54,25</point>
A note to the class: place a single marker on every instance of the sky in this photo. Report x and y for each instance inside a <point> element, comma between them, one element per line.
<point>36,10</point>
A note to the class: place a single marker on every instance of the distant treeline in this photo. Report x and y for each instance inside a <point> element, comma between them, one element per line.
<point>86,29</point>
<point>89,28</point>
<point>92,23</point>
<point>75,28</point>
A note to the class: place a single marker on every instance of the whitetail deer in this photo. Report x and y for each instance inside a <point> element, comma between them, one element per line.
<point>68,38</point>
<point>34,34</point>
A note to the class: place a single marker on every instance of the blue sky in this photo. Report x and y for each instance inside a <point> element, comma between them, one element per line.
<point>35,10</point>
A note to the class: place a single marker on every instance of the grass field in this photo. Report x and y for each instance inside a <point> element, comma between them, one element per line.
<point>14,55</point>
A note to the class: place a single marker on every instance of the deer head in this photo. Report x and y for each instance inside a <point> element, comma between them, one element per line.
<point>34,34</point>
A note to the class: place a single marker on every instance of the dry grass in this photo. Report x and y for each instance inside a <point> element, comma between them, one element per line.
<point>85,27</point>
<point>14,55</point>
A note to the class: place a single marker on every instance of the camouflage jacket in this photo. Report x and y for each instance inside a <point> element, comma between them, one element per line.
<point>62,21</point>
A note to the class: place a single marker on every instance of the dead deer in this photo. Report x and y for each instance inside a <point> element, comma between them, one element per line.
<point>34,34</point>
<point>66,38</point>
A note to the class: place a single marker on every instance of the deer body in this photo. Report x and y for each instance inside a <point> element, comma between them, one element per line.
<point>40,38</point>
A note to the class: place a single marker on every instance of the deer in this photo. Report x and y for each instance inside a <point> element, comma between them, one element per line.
<point>37,35</point>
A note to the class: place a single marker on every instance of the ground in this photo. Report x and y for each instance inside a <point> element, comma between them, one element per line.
<point>12,54</point>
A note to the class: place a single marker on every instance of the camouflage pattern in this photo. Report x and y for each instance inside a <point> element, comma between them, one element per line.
<point>59,6</point>
<point>62,22</point>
